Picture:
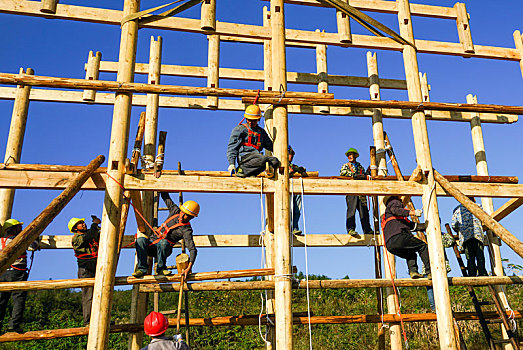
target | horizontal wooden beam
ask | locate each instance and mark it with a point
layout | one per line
(331, 284)
(48, 95)
(98, 15)
(253, 320)
(235, 241)
(124, 281)
(414, 106)
(106, 85)
(507, 208)
(257, 75)
(186, 183)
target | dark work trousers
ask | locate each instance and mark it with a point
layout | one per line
(296, 212)
(475, 258)
(160, 251)
(353, 203)
(17, 315)
(253, 163)
(405, 245)
(87, 270)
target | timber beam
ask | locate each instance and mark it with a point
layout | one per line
(114, 17)
(251, 320)
(105, 98)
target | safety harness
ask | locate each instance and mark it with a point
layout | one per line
(92, 255)
(164, 229)
(252, 135)
(390, 218)
(23, 256)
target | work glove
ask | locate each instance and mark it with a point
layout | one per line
(418, 212)
(231, 169)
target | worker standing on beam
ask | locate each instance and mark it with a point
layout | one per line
(398, 237)
(354, 170)
(174, 229)
(246, 143)
(18, 271)
(85, 245)
(296, 198)
(471, 239)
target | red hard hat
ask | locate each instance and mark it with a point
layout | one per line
(155, 324)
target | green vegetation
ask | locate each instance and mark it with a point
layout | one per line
(62, 309)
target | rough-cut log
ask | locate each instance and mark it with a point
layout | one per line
(31, 232)
(507, 208)
(415, 106)
(126, 87)
(250, 320)
(486, 219)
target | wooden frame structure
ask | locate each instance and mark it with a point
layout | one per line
(275, 37)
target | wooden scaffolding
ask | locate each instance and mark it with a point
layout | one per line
(278, 102)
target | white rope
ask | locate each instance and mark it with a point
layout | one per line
(263, 263)
(306, 263)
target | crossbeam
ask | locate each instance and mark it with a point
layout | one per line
(104, 98)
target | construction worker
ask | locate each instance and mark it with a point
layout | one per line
(296, 198)
(155, 325)
(174, 229)
(85, 245)
(471, 238)
(398, 237)
(246, 144)
(18, 271)
(355, 170)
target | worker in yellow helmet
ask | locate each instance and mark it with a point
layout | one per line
(85, 245)
(246, 143)
(160, 245)
(16, 272)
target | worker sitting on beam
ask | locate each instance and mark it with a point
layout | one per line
(246, 144)
(160, 245)
(354, 170)
(85, 244)
(18, 271)
(398, 237)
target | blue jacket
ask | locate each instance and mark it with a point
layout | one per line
(240, 135)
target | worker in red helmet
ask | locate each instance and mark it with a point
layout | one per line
(155, 325)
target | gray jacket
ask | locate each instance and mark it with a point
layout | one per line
(166, 343)
(240, 136)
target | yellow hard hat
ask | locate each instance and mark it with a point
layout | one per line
(10, 223)
(190, 208)
(252, 112)
(72, 223)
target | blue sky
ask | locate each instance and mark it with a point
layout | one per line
(74, 134)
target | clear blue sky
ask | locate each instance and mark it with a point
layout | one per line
(74, 134)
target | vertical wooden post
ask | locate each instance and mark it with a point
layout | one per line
(343, 22)
(208, 15)
(282, 252)
(92, 72)
(447, 338)
(321, 69)
(15, 141)
(518, 40)
(213, 68)
(462, 21)
(487, 204)
(106, 265)
(139, 300)
(381, 161)
(425, 90)
(269, 198)
(48, 6)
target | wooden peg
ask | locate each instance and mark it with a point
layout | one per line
(160, 155)
(267, 53)
(208, 15)
(321, 68)
(425, 88)
(343, 21)
(462, 21)
(48, 6)
(213, 68)
(518, 40)
(92, 72)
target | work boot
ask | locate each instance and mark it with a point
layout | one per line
(270, 172)
(297, 232)
(165, 272)
(139, 273)
(353, 233)
(415, 275)
(240, 173)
